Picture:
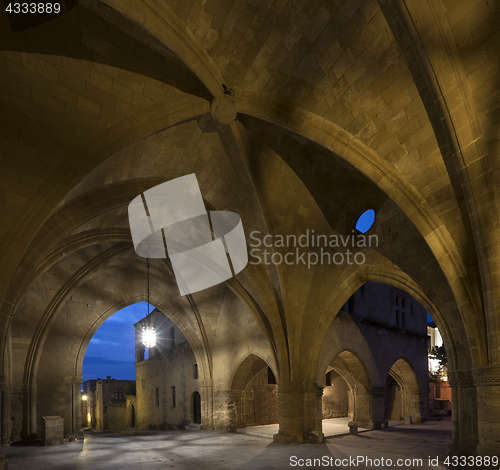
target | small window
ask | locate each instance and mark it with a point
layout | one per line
(400, 313)
(143, 383)
(365, 221)
(173, 397)
(118, 395)
(195, 371)
(438, 390)
(157, 396)
(328, 379)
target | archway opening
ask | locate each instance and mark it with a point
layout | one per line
(345, 394)
(111, 351)
(377, 325)
(108, 371)
(404, 398)
(254, 394)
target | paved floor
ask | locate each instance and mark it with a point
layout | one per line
(209, 450)
(331, 428)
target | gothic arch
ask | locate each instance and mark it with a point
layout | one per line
(243, 403)
(413, 395)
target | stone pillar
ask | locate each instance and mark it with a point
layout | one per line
(248, 415)
(369, 407)
(464, 437)
(412, 404)
(29, 403)
(361, 412)
(351, 401)
(207, 404)
(298, 413)
(378, 407)
(227, 403)
(5, 411)
(235, 408)
(424, 403)
(76, 426)
(319, 412)
(487, 381)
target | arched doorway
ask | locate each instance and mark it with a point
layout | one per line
(196, 400)
(393, 406)
(403, 396)
(346, 391)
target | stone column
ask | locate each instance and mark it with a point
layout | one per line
(319, 412)
(207, 404)
(298, 413)
(235, 408)
(226, 405)
(5, 411)
(76, 384)
(464, 437)
(248, 413)
(378, 407)
(5, 416)
(369, 407)
(424, 403)
(29, 404)
(351, 401)
(361, 413)
(487, 382)
(412, 404)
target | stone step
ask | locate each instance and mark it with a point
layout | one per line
(193, 427)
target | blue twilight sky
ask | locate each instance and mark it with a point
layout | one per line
(111, 349)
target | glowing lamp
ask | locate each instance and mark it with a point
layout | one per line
(149, 336)
(84, 397)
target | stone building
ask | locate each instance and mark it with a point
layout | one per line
(106, 407)
(88, 403)
(167, 390)
(296, 115)
(376, 344)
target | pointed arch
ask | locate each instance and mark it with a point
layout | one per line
(405, 392)
(254, 401)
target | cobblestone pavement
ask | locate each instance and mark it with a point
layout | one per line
(207, 450)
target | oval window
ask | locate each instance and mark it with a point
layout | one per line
(365, 221)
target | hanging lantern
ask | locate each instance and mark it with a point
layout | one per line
(148, 336)
(148, 332)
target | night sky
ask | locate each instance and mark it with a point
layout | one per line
(111, 349)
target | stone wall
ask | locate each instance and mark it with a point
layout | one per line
(156, 379)
(111, 409)
(260, 401)
(335, 397)
(439, 400)
(116, 417)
